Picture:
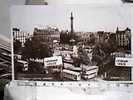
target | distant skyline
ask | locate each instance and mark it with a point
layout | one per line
(86, 18)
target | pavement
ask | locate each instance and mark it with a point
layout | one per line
(24, 90)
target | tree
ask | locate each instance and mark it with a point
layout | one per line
(34, 48)
(102, 55)
(92, 39)
(17, 46)
(83, 57)
(27, 50)
(65, 37)
(112, 47)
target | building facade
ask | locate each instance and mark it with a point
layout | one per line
(20, 35)
(84, 37)
(47, 35)
(123, 38)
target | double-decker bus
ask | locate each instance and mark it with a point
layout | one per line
(23, 64)
(71, 75)
(89, 72)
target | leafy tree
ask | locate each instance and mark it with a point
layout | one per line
(83, 57)
(92, 39)
(17, 46)
(35, 67)
(27, 50)
(102, 55)
(34, 48)
(112, 47)
(65, 37)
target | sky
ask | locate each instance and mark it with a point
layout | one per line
(87, 18)
(51, 2)
(58, 2)
(5, 6)
(4, 19)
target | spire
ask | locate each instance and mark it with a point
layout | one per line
(71, 18)
(117, 30)
(71, 15)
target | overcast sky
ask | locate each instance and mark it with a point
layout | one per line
(52, 2)
(86, 18)
(5, 5)
(58, 2)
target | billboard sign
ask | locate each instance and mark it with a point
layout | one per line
(121, 61)
(53, 61)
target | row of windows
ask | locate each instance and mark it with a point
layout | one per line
(122, 40)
